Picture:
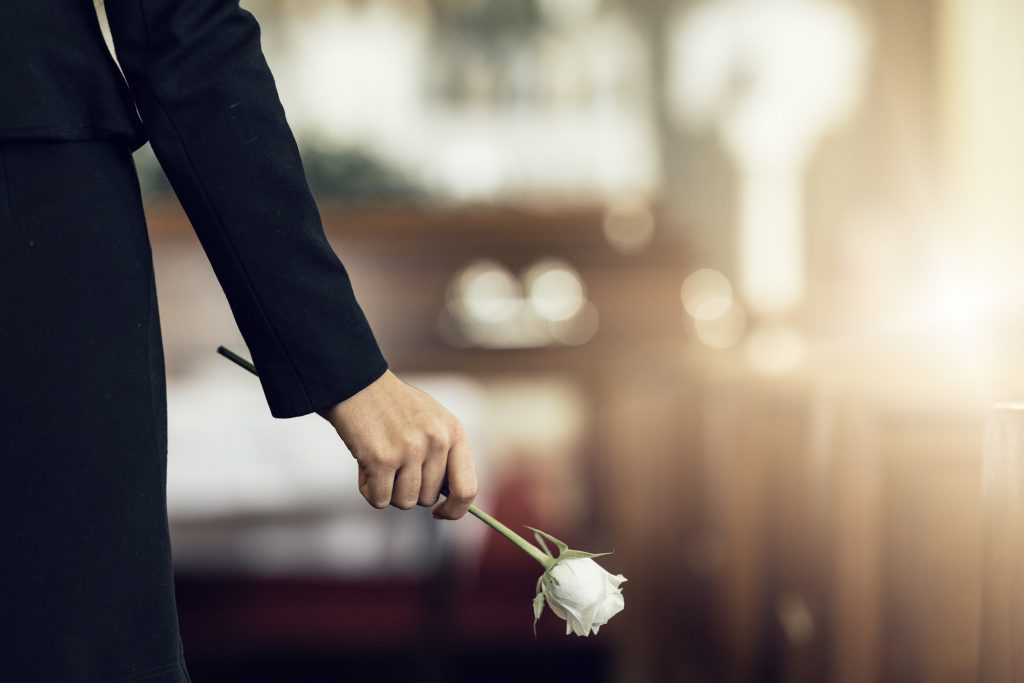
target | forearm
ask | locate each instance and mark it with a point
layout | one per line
(211, 108)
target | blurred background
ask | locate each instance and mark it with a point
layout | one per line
(725, 286)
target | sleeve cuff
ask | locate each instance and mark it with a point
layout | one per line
(289, 399)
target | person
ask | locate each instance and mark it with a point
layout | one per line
(86, 585)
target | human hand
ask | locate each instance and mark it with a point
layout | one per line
(408, 446)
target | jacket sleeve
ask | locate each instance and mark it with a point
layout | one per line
(211, 110)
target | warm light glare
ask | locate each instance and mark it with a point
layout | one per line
(706, 294)
(775, 350)
(488, 291)
(959, 308)
(628, 225)
(489, 306)
(578, 330)
(771, 241)
(724, 331)
(555, 290)
(773, 78)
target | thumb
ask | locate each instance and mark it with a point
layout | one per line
(363, 488)
(445, 491)
(459, 484)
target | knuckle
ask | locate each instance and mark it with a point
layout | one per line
(405, 504)
(457, 431)
(412, 444)
(465, 494)
(386, 462)
(380, 505)
(436, 436)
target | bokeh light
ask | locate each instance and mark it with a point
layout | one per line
(706, 294)
(555, 289)
(723, 331)
(487, 291)
(628, 225)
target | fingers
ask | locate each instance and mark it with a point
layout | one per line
(408, 446)
(461, 483)
(432, 478)
(376, 484)
(407, 487)
(434, 467)
(413, 480)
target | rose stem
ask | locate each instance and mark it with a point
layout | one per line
(524, 545)
(237, 360)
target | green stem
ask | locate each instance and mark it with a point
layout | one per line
(530, 549)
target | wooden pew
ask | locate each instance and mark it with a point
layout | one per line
(1002, 622)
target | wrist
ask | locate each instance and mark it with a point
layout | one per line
(333, 412)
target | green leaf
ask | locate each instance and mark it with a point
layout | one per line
(580, 554)
(562, 547)
(538, 609)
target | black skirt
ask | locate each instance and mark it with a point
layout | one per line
(86, 587)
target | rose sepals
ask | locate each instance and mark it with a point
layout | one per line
(574, 554)
(543, 544)
(562, 547)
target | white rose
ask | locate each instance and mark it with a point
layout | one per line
(582, 593)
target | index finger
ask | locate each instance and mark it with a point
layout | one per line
(376, 484)
(461, 488)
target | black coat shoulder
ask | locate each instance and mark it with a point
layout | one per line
(58, 80)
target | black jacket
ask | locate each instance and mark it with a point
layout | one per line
(208, 104)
